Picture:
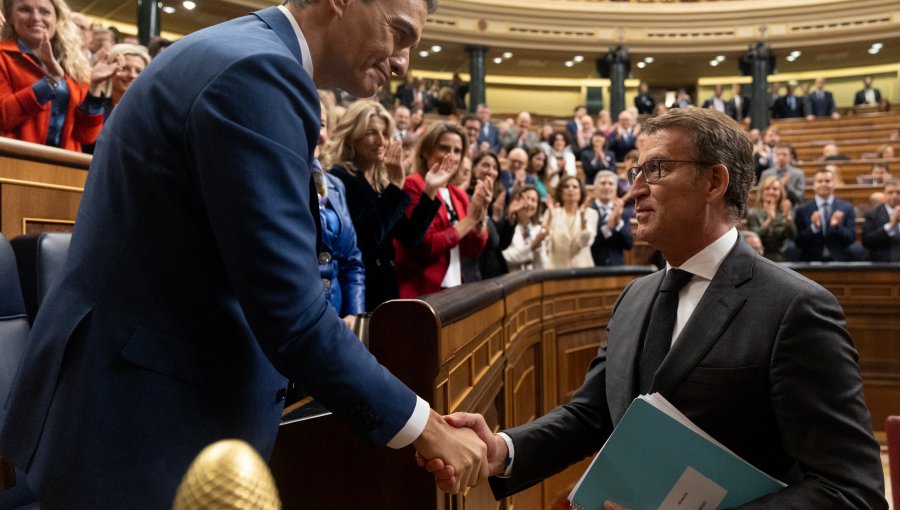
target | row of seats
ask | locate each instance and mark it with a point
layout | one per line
(27, 267)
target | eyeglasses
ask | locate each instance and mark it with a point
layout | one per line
(653, 168)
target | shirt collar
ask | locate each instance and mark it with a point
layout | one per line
(822, 201)
(304, 47)
(706, 262)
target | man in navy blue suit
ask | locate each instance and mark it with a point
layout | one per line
(614, 227)
(820, 102)
(489, 132)
(826, 226)
(191, 291)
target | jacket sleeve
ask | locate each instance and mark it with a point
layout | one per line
(874, 236)
(351, 271)
(845, 233)
(16, 106)
(87, 126)
(266, 237)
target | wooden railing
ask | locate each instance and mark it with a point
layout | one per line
(40, 187)
(512, 349)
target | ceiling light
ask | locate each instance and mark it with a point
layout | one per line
(436, 48)
(877, 46)
(578, 58)
(423, 53)
(720, 58)
(641, 65)
(791, 58)
(497, 60)
(795, 53)
(568, 63)
(507, 54)
(714, 62)
(873, 51)
(189, 5)
(168, 9)
(649, 60)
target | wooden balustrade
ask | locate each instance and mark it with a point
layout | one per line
(512, 349)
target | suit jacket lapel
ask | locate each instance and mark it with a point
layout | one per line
(710, 319)
(625, 343)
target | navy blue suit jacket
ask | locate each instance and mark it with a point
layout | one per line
(492, 137)
(823, 107)
(838, 239)
(611, 252)
(191, 290)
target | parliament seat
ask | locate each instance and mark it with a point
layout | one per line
(14, 330)
(39, 258)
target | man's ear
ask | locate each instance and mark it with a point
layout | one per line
(339, 7)
(718, 182)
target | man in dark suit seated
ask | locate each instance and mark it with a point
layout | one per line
(789, 106)
(868, 96)
(613, 227)
(826, 225)
(756, 355)
(191, 292)
(881, 230)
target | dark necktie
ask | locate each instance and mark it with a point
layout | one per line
(659, 332)
(826, 216)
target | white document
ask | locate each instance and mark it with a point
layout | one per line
(693, 491)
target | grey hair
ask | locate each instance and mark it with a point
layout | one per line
(714, 138)
(432, 4)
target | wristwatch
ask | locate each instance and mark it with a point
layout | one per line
(50, 81)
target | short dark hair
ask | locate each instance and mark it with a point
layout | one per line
(558, 193)
(714, 138)
(429, 140)
(470, 116)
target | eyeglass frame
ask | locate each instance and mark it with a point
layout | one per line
(632, 172)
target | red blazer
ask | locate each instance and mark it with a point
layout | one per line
(421, 268)
(23, 118)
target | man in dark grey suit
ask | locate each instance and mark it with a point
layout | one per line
(760, 358)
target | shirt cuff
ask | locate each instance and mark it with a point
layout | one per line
(414, 426)
(509, 457)
(890, 231)
(43, 92)
(92, 105)
(604, 229)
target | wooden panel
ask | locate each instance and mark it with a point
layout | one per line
(35, 207)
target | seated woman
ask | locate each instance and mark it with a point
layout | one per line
(369, 165)
(48, 92)
(773, 220)
(527, 249)
(458, 228)
(572, 227)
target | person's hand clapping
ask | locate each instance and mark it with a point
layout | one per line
(440, 174)
(393, 163)
(44, 53)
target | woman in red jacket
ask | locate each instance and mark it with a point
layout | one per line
(457, 229)
(48, 92)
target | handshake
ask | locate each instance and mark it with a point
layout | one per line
(459, 450)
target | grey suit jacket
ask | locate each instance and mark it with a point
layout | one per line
(796, 182)
(764, 365)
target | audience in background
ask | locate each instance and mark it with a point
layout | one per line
(877, 176)
(885, 151)
(825, 225)
(820, 102)
(772, 220)
(573, 126)
(597, 157)
(85, 31)
(537, 166)
(472, 124)
(753, 241)
(520, 135)
(764, 150)
(789, 106)
(457, 230)
(643, 101)
(613, 225)
(362, 155)
(881, 233)
(517, 174)
(49, 94)
(489, 132)
(604, 123)
(791, 177)
(739, 105)
(571, 225)
(623, 138)
(490, 262)
(561, 157)
(831, 152)
(157, 45)
(527, 249)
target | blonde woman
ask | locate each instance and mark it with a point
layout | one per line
(363, 156)
(130, 61)
(773, 219)
(49, 94)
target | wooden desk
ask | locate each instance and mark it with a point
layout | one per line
(40, 187)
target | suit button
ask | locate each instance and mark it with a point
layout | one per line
(280, 394)
(324, 257)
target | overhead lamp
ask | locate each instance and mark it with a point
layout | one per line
(168, 9)
(498, 60)
(795, 53)
(714, 62)
(436, 49)
(641, 65)
(423, 53)
(877, 46)
(874, 51)
(568, 63)
(649, 60)
(720, 58)
(578, 58)
(189, 5)
(507, 54)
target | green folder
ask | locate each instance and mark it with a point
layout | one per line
(657, 459)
